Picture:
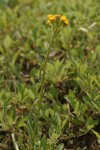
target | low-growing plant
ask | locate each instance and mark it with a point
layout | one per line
(49, 77)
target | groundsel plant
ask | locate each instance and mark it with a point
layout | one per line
(56, 23)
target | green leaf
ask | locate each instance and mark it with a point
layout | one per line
(44, 143)
(64, 123)
(31, 133)
(97, 135)
(15, 57)
(7, 41)
(20, 142)
(60, 147)
(49, 112)
(22, 123)
(76, 111)
(5, 108)
(31, 94)
(53, 91)
(58, 120)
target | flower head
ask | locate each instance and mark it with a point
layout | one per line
(57, 22)
(51, 17)
(63, 18)
(57, 16)
(66, 22)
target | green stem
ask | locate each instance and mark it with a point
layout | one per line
(44, 67)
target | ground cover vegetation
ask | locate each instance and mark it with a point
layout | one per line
(68, 115)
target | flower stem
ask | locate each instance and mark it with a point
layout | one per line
(44, 68)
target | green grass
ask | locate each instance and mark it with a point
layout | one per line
(69, 117)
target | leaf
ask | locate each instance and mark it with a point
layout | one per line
(60, 147)
(95, 106)
(44, 143)
(83, 29)
(49, 112)
(7, 41)
(76, 111)
(13, 113)
(71, 98)
(20, 142)
(97, 135)
(5, 108)
(31, 94)
(89, 127)
(64, 122)
(14, 142)
(92, 25)
(22, 122)
(31, 133)
(58, 120)
(53, 91)
(15, 57)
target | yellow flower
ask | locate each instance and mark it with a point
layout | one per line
(51, 17)
(57, 22)
(63, 18)
(57, 16)
(66, 22)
